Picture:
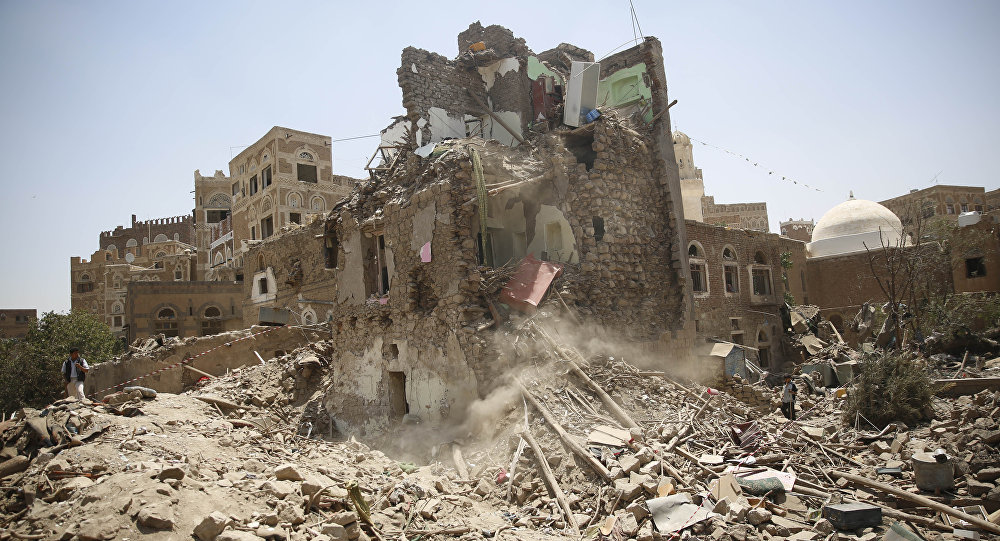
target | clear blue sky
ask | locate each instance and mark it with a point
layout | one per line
(108, 107)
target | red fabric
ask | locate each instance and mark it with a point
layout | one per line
(528, 285)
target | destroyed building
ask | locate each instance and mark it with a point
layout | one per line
(482, 172)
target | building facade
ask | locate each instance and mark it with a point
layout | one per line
(284, 178)
(182, 308)
(15, 322)
(212, 206)
(941, 201)
(800, 229)
(740, 280)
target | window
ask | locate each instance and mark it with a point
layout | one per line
(305, 156)
(178, 275)
(253, 233)
(736, 337)
(262, 286)
(212, 311)
(699, 273)
(265, 177)
(211, 326)
(979, 208)
(950, 209)
(236, 188)
(376, 273)
(975, 267)
(331, 249)
(294, 217)
(761, 281)
(318, 203)
(731, 273)
(166, 313)
(116, 321)
(253, 184)
(598, 228)
(965, 207)
(216, 216)
(267, 227)
(734, 323)
(698, 282)
(306, 173)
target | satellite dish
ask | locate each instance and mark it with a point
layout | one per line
(129, 258)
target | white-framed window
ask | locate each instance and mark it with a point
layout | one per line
(699, 271)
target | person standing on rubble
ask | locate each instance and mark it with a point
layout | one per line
(788, 393)
(75, 370)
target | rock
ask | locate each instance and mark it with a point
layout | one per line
(287, 472)
(629, 463)
(70, 487)
(638, 510)
(627, 489)
(979, 489)
(757, 516)
(988, 474)
(311, 486)
(236, 535)
(645, 533)
(994, 494)
(343, 518)
(95, 530)
(278, 489)
(290, 512)
(628, 524)
(272, 533)
(211, 526)
(823, 526)
(172, 472)
(335, 531)
(484, 487)
(157, 517)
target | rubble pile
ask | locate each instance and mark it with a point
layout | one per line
(574, 445)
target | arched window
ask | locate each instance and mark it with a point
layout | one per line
(85, 278)
(116, 308)
(219, 201)
(160, 255)
(759, 258)
(318, 203)
(699, 272)
(131, 243)
(305, 156)
(166, 313)
(730, 271)
(161, 238)
(212, 311)
(294, 200)
(107, 256)
(218, 258)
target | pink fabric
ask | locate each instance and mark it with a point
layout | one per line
(528, 285)
(425, 253)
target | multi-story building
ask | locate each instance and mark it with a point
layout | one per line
(284, 178)
(15, 322)
(182, 308)
(212, 205)
(100, 285)
(701, 208)
(941, 200)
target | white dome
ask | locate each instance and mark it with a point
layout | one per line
(852, 226)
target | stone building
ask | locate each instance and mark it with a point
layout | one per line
(798, 229)
(132, 240)
(182, 308)
(286, 177)
(100, 285)
(942, 200)
(741, 278)
(15, 322)
(976, 254)
(467, 187)
(701, 208)
(212, 205)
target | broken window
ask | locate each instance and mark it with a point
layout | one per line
(398, 406)
(376, 274)
(306, 173)
(294, 217)
(975, 267)
(166, 322)
(267, 227)
(598, 228)
(253, 184)
(764, 357)
(265, 177)
(698, 282)
(761, 281)
(331, 249)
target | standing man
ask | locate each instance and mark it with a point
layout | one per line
(75, 369)
(788, 393)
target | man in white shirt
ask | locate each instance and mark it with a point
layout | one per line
(788, 393)
(75, 370)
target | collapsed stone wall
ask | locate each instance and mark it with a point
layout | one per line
(225, 352)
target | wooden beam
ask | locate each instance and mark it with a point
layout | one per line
(495, 117)
(196, 371)
(550, 480)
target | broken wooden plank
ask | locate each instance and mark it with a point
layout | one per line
(550, 480)
(196, 371)
(460, 466)
(568, 440)
(496, 118)
(219, 402)
(918, 499)
(14, 465)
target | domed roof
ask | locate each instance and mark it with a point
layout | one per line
(857, 216)
(681, 139)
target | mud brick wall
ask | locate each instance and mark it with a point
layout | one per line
(494, 37)
(438, 82)
(182, 226)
